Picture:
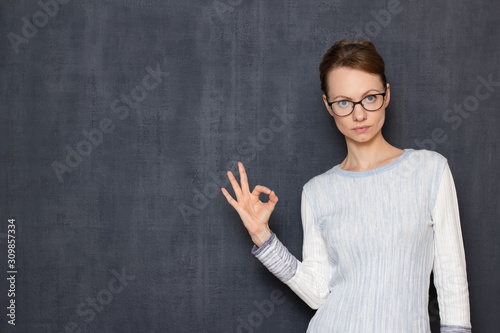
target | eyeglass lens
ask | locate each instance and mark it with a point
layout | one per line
(370, 103)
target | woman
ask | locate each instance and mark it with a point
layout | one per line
(375, 225)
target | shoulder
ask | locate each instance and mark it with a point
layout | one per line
(428, 155)
(318, 181)
(424, 159)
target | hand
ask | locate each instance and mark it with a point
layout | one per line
(253, 212)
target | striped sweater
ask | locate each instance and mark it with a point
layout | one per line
(371, 240)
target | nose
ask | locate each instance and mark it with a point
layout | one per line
(359, 113)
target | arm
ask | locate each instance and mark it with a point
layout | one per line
(450, 276)
(309, 278)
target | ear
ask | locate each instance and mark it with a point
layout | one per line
(388, 95)
(327, 107)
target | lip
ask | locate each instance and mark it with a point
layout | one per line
(361, 129)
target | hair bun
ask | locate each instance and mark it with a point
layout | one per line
(344, 43)
(356, 54)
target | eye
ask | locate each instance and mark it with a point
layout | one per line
(370, 99)
(343, 104)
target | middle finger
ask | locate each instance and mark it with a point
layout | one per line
(234, 182)
(243, 178)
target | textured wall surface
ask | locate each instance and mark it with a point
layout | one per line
(119, 120)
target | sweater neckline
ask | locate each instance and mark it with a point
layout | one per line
(380, 169)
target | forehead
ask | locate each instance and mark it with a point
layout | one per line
(352, 82)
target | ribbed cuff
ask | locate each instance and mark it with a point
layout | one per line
(257, 250)
(455, 329)
(276, 257)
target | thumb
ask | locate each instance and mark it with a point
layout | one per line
(273, 199)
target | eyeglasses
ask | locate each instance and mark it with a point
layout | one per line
(370, 103)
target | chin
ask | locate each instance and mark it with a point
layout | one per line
(363, 138)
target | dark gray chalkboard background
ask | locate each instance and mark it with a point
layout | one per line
(145, 200)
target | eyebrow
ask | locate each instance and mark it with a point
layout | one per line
(364, 95)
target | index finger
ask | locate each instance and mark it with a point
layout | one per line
(243, 178)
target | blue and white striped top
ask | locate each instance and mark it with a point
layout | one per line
(371, 240)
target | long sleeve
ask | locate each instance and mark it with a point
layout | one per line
(450, 276)
(309, 278)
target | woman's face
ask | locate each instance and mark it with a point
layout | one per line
(347, 84)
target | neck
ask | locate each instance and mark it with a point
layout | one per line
(362, 156)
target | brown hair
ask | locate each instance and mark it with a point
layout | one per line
(356, 54)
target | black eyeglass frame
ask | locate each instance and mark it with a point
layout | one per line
(359, 102)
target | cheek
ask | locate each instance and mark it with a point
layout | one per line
(382, 118)
(337, 122)
(340, 124)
